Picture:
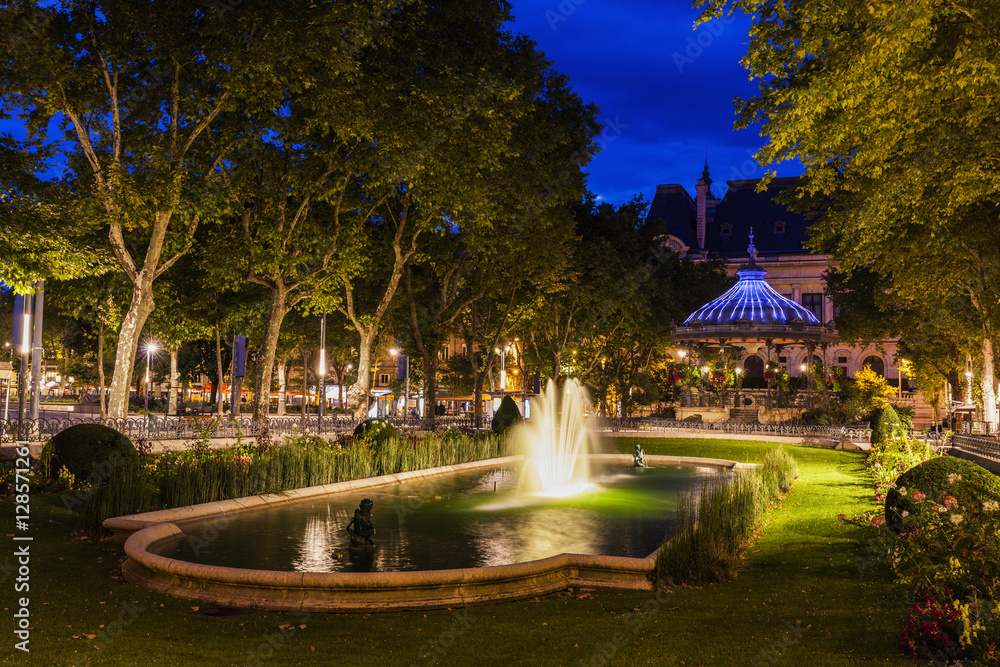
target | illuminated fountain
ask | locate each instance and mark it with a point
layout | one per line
(469, 533)
(557, 442)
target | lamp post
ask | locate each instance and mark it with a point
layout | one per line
(406, 391)
(151, 347)
(321, 373)
(10, 359)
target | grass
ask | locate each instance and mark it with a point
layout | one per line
(799, 570)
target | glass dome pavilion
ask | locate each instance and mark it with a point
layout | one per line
(752, 311)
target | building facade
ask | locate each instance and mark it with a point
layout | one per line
(709, 227)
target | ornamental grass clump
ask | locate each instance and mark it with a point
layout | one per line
(201, 475)
(712, 530)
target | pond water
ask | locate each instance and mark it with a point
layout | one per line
(470, 519)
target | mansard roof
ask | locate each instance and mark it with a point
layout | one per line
(673, 212)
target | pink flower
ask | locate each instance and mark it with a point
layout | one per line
(919, 495)
(878, 522)
(950, 501)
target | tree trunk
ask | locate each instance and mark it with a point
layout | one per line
(282, 387)
(358, 396)
(100, 369)
(128, 340)
(430, 386)
(988, 385)
(265, 361)
(219, 398)
(340, 388)
(305, 389)
(175, 380)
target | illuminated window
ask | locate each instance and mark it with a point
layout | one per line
(814, 302)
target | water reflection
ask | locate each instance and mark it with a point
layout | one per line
(467, 520)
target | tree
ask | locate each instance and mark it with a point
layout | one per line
(890, 107)
(143, 90)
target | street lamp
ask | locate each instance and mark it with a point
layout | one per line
(321, 372)
(10, 359)
(151, 347)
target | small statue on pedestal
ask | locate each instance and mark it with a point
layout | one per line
(360, 528)
(638, 457)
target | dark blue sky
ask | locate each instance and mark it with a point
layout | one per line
(665, 90)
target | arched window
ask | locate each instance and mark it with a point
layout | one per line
(754, 366)
(876, 363)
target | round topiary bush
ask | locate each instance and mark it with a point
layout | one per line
(506, 415)
(976, 486)
(89, 451)
(375, 430)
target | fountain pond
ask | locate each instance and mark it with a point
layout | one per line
(559, 515)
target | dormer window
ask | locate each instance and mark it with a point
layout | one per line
(725, 229)
(779, 227)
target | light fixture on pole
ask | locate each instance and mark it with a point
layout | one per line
(151, 347)
(321, 372)
(10, 378)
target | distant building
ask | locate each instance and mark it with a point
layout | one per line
(706, 227)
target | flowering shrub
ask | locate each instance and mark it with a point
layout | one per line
(930, 627)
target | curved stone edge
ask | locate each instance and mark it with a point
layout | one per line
(372, 591)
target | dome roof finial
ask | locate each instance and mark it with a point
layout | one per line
(751, 249)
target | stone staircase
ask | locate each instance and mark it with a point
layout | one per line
(744, 416)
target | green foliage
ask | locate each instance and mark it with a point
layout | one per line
(375, 430)
(871, 390)
(971, 484)
(710, 534)
(506, 415)
(85, 449)
(887, 427)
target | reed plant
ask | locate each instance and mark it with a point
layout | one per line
(714, 528)
(200, 475)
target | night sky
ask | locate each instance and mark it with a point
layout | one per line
(665, 90)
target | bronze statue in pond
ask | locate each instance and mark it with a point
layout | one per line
(361, 529)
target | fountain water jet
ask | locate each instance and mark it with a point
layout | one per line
(557, 441)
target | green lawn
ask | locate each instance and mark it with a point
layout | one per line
(797, 593)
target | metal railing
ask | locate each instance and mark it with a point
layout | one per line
(656, 424)
(986, 446)
(158, 427)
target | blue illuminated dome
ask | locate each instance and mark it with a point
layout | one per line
(752, 299)
(752, 310)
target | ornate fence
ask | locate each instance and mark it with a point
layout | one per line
(158, 427)
(981, 445)
(852, 433)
